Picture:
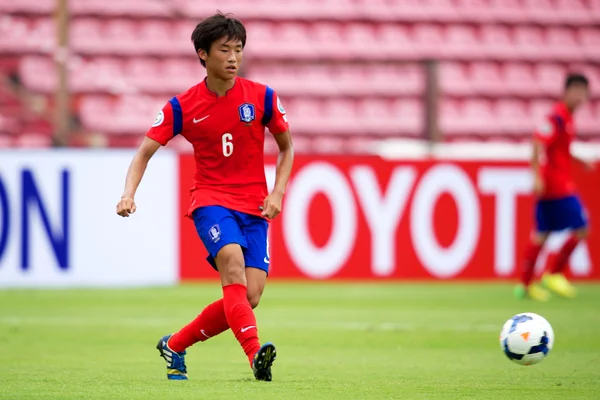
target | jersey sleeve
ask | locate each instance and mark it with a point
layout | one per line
(548, 131)
(274, 117)
(168, 123)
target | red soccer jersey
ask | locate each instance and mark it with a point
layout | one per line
(227, 134)
(556, 135)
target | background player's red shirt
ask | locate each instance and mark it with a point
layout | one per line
(556, 135)
(227, 134)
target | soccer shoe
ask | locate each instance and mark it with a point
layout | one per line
(263, 359)
(533, 292)
(176, 369)
(559, 285)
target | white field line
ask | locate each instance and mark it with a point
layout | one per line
(298, 325)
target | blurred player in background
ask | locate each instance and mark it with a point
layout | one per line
(557, 205)
(224, 118)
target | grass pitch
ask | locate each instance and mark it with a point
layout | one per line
(340, 341)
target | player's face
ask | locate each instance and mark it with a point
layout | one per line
(576, 95)
(224, 59)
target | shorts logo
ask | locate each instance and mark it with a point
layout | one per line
(159, 119)
(247, 113)
(215, 233)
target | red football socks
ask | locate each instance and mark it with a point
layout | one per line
(531, 255)
(209, 323)
(563, 255)
(241, 319)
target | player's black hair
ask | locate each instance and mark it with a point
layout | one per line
(576, 79)
(214, 28)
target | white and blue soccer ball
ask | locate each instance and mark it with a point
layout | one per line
(527, 338)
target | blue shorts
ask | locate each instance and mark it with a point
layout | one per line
(219, 226)
(559, 214)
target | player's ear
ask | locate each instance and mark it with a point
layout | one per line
(202, 54)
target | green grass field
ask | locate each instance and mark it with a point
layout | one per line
(342, 341)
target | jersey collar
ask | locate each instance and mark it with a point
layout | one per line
(209, 93)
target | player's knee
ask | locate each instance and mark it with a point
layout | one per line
(253, 299)
(230, 263)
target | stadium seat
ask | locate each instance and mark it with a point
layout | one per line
(453, 78)
(27, 6)
(530, 44)
(590, 42)
(86, 35)
(136, 8)
(478, 117)
(541, 11)
(38, 74)
(305, 115)
(397, 40)
(462, 42)
(497, 42)
(441, 10)
(340, 116)
(474, 10)
(408, 116)
(429, 40)
(573, 11)
(509, 11)
(486, 79)
(376, 117)
(292, 40)
(120, 36)
(539, 111)
(518, 79)
(550, 78)
(563, 44)
(512, 117)
(360, 39)
(326, 40)
(143, 74)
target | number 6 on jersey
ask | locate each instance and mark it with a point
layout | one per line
(227, 144)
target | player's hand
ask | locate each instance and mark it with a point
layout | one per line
(538, 186)
(126, 207)
(272, 205)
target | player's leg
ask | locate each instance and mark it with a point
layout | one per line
(572, 216)
(537, 239)
(216, 227)
(256, 256)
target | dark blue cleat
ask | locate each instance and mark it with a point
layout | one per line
(263, 359)
(176, 369)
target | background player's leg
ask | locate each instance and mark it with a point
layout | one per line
(239, 314)
(560, 262)
(536, 243)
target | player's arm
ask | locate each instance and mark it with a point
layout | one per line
(545, 135)
(134, 175)
(168, 124)
(538, 183)
(279, 128)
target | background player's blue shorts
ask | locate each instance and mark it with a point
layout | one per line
(559, 214)
(219, 226)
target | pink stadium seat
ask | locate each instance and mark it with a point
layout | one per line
(305, 114)
(160, 35)
(326, 40)
(180, 74)
(38, 73)
(408, 116)
(143, 74)
(340, 116)
(259, 35)
(539, 110)
(13, 32)
(450, 118)
(461, 41)
(562, 43)
(360, 38)
(120, 36)
(440, 10)
(429, 40)
(453, 78)
(550, 78)
(594, 9)
(408, 10)
(377, 10)
(316, 80)
(393, 80)
(573, 11)
(86, 35)
(137, 8)
(33, 140)
(486, 79)
(497, 42)
(27, 6)
(376, 117)
(510, 11)
(42, 35)
(530, 43)
(474, 10)
(513, 118)
(589, 39)
(478, 117)
(541, 11)
(94, 110)
(397, 39)
(518, 79)
(294, 41)
(351, 79)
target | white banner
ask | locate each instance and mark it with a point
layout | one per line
(59, 228)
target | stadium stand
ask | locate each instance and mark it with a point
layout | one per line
(348, 71)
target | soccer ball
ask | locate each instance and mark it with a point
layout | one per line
(526, 338)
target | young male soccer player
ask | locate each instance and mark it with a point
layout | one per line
(224, 118)
(557, 205)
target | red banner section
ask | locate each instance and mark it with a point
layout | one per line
(368, 218)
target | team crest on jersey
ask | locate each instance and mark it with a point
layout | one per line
(247, 112)
(215, 233)
(159, 119)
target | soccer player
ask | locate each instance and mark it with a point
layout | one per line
(224, 118)
(557, 205)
